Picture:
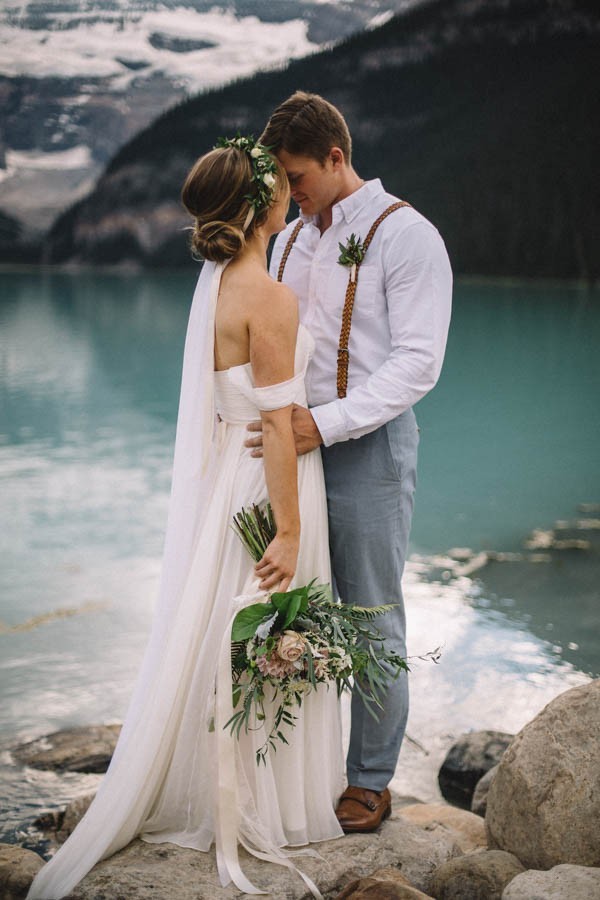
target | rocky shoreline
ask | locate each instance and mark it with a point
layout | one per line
(521, 822)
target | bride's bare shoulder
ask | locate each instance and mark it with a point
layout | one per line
(270, 298)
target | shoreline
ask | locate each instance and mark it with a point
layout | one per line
(131, 268)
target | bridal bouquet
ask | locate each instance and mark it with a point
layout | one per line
(298, 639)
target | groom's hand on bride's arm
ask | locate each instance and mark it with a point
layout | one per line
(306, 434)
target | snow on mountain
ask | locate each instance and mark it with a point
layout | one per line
(78, 78)
(196, 49)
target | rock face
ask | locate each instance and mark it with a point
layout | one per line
(467, 761)
(142, 871)
(544, 803)
(480, 794)
(560, 883)
(17, 870)
(481, 875)
(465, 828)
(85, 749)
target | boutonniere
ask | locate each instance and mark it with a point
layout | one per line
(352, 253)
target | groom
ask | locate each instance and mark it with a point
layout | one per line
(380, 327)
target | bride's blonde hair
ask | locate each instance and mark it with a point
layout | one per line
(217, 193)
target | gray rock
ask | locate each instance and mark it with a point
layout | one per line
(142, 871)
(481, 875)
(467, 761)
(480, 794)
(85, 749)
(560, 883)
(544, 803)
(17, 869)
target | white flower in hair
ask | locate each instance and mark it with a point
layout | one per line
(264, 168)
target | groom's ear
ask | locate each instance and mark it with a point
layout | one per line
(337, 157)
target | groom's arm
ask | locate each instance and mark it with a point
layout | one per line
(418, 287)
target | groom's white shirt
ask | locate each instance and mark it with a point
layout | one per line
(401, 311)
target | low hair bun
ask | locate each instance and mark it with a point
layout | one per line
(217, 240)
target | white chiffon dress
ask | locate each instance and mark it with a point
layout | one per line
(176, 774)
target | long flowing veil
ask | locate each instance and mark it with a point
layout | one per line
(126, 792)
(191, 479)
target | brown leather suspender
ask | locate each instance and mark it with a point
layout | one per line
(288, 248)
(343, 351)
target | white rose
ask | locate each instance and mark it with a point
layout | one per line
(255, 152)
(269, 179)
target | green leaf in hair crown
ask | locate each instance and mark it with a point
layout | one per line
(264, 168)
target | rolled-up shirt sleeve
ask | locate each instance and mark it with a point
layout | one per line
(418, 288)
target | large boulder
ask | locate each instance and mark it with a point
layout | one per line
(17, 870)
(480, 794)
(544, 802)
(142, 871)
(559, 883)
(88, 748)
(467, 761)
(465, 828)
(481, 875)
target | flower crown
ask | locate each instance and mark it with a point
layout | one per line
(263, 170)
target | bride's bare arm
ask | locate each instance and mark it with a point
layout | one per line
(272, 325)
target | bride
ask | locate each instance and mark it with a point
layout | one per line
(176, 774)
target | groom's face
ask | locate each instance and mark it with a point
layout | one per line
(314, 185)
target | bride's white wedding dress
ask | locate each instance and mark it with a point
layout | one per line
(176, 775)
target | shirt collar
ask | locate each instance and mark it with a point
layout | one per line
(350, 206)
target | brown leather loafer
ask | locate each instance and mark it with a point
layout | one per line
(361, 809)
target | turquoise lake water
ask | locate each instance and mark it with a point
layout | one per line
(89, 382)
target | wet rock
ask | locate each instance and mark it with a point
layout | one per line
(467, 761)
(73, 813)
(564, 882)
(142, 871)
(17, 870)
(480, 794)
(481, 875)
(465, 828)
(85, 749)
(544, 802)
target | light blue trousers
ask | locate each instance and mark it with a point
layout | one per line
(370, 492)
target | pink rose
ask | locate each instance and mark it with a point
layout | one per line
(275, 667)
(291, 646)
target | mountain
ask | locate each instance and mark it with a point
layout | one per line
(78, 79)
(485, 115)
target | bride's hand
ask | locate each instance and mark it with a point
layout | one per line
(278, 564)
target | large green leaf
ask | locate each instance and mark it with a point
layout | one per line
(292, 610)
(248, 619)
(289, 603)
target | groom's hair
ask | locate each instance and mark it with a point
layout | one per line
(307, 125)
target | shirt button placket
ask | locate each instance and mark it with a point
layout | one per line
(314, 281)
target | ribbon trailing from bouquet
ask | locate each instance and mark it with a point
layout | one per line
(228, 818)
